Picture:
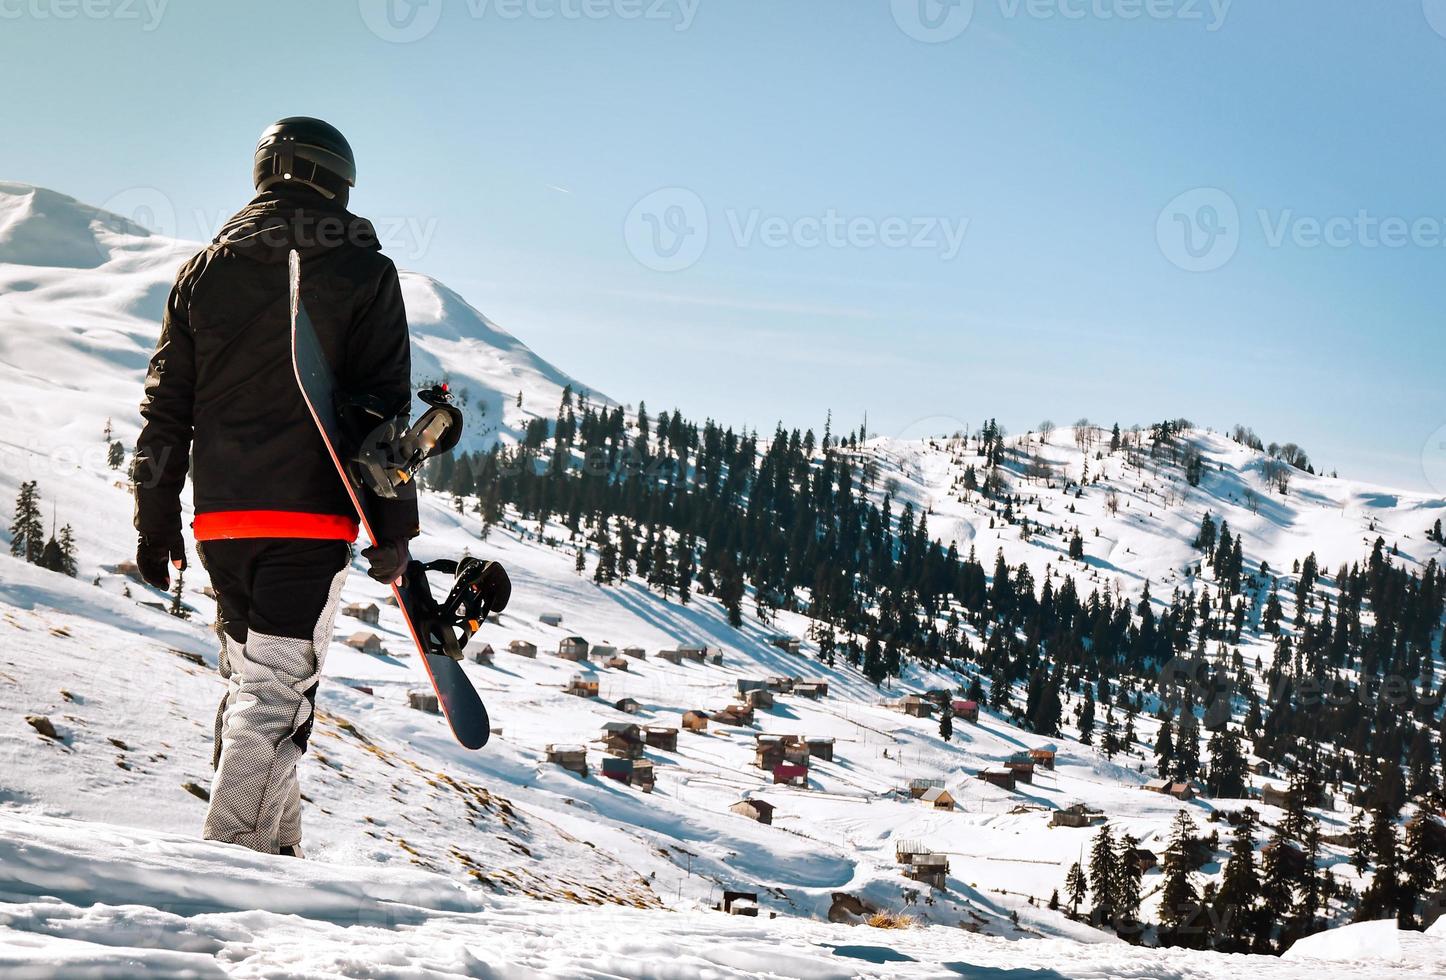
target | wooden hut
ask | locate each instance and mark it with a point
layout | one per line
(930, 869)
(695, 721)
(820, 748)
(693, 654)
(663, 737)
(616, 662)
(1144, 858)
(790, 774)
(573, 758)
(522, 648)
(734, 714)
(965, 709)
(424, 701)
(671, 656)
(366, 642)
(1076, 815)
(921, 785)
(786, 643)
(369, 613)
(633, 772)
(635, 653)
(1043, 756)
(624, 739)
(754, 809)
(938, 797)
(550, 619)
(998, 776)
(918, 707)
(746, 684)
(739, 903)
(572, 648)
(760, 698)
(628, 706)
(811, 690)
(483, 655)
(582, 687)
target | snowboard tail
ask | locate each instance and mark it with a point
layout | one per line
(458, 699)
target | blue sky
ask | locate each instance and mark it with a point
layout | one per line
(759, 210)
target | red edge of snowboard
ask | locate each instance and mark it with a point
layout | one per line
(472, 737)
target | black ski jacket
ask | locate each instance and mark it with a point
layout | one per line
(221, 397)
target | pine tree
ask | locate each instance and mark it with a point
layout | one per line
(1420, 876)
(27, 532)
(1076, 886)
(115, 456)
(1239, 891)
(1104, 872)
(1164, 750)
(178, 601)
(1128, 881)
(946, 724)
(1179, 901)
(1227, 774)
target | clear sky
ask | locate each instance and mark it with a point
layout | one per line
(760, 210)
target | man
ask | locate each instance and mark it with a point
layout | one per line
(273, 524)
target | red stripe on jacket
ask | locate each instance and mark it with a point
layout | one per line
(224, 524)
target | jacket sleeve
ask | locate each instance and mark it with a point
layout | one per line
(378, 362)
(163, 450)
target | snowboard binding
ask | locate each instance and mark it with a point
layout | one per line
(391, 453)
(479, 588)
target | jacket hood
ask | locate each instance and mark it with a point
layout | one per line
(267, 229)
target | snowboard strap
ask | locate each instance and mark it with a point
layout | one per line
(479, 588)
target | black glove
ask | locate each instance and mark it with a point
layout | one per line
(388, 560)
(154, 552)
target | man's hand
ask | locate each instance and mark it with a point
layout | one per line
(152, 554)
(388, 560)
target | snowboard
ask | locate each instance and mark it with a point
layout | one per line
(456, 696)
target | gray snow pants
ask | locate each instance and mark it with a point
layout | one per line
(276, 604)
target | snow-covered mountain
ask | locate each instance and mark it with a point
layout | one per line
(430, 858)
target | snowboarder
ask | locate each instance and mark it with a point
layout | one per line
(273, 524)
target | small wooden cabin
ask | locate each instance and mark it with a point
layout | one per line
(760, 811)
(1043, 756)
(572, 648)
(483, 655)
(366, 642)
(550, 619)
(1076, 815)
(573, 758)
(918, 707)
(662, 737)
(788, 773)
(695, 721)
(623, 738)
(582, 687)
(998, 776)
(967, 710)
(424, 701)
(938, 797)
(628, 706)
(820, 748)
(369, 613)
(522, 648)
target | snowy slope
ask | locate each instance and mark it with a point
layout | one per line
(401, 818)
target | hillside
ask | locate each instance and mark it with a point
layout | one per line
(453, 853)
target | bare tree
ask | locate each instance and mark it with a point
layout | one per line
(1046, 429)
(1112, 502)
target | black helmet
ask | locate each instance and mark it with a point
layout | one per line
(299, 149)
